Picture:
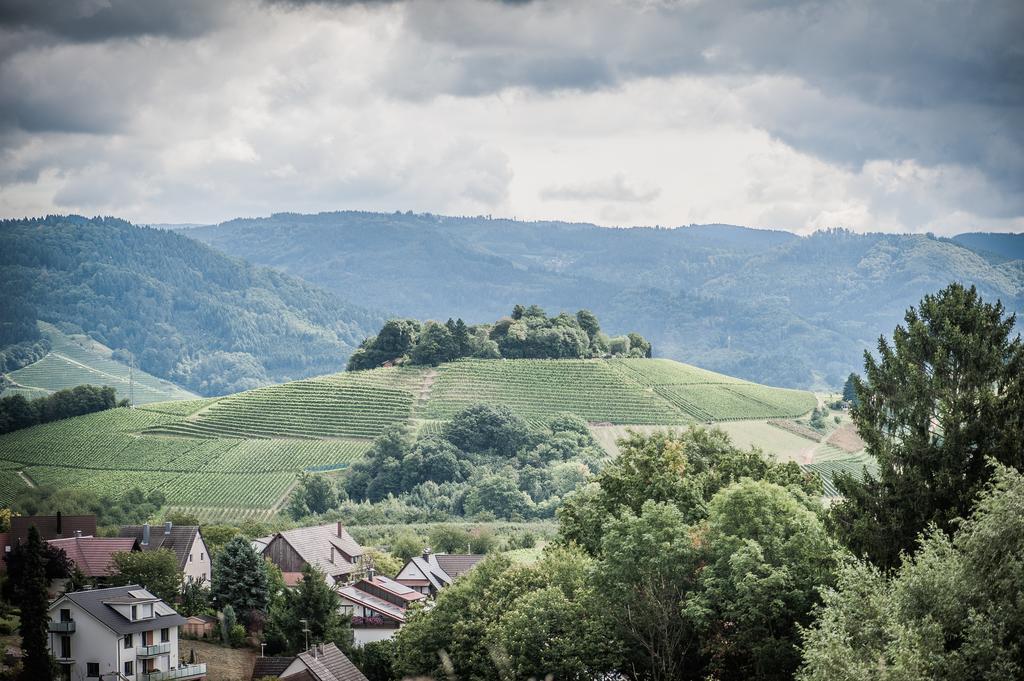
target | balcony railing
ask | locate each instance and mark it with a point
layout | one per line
(187, 672)
(155, 649)
(63, 627)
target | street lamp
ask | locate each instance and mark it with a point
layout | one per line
(305, 630)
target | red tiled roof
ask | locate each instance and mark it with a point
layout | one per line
(292, 578)
(94, 556)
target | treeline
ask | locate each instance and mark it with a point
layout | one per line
(131, 507)
(188, 313)
(18, 412)
(529, 333)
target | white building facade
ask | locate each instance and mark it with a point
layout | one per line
(117, 633)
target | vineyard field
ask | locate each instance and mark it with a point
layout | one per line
(77, 360)
(236, 457)
(539, 389)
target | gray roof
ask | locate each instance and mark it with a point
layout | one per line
(441, 569)
(457, 564)
(313, 544)
(94, 602)
(330, 664)
(270, 666)
(179, 539)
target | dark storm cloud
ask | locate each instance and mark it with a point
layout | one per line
(99, 20)
(937, 82)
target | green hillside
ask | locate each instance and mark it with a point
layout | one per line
(191, 315)
(238, 456)
(77, 360)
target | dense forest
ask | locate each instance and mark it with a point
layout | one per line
(767, 306)
(188, 313)
(528, 333)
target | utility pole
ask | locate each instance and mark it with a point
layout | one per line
(131, 379)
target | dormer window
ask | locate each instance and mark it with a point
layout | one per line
(135, 612)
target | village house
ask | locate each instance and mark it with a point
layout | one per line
(319, 663)
(431, 572)
(49, 527)
(121, 632)
(185, 540)
(378, 606)
(93, 556)
(329, 548)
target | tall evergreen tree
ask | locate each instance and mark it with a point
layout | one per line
(944, 395)
(34, 602)
(239, 579)
(850, 389)
(314, 601)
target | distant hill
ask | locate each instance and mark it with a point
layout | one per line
(191, 315)
(237, 456)
(768, 306)
(993, 246)
(78, 360)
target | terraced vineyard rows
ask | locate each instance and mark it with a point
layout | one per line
(10, 482)
(667, 372)
(828, 468)
(74, 361)
(236, 456)
(539, 389)
(104, 453)
(707, 396)
(350, 405)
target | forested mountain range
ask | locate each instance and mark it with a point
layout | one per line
(189, 313)
(768, 306)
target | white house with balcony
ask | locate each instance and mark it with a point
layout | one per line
(121, 633)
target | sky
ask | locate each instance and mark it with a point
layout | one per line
(871, 115)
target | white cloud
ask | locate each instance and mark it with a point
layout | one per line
(544, 111)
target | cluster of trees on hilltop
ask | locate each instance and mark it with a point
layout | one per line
(18, 412)
(529, 333)
(188, 313)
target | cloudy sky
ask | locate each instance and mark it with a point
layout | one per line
(871, 115)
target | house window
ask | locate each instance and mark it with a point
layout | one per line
(202, 556)
(92, 670)
(165, 635)
(127, 641)
(65, 615)
(129, 668)
(65, 647)
(190, 557)
(135, 612)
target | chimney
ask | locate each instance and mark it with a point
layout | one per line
(167, 529)
(60, 524)
(341, 530)
(426, 553)
(78, 534)
(370, 572)
(145, 534)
